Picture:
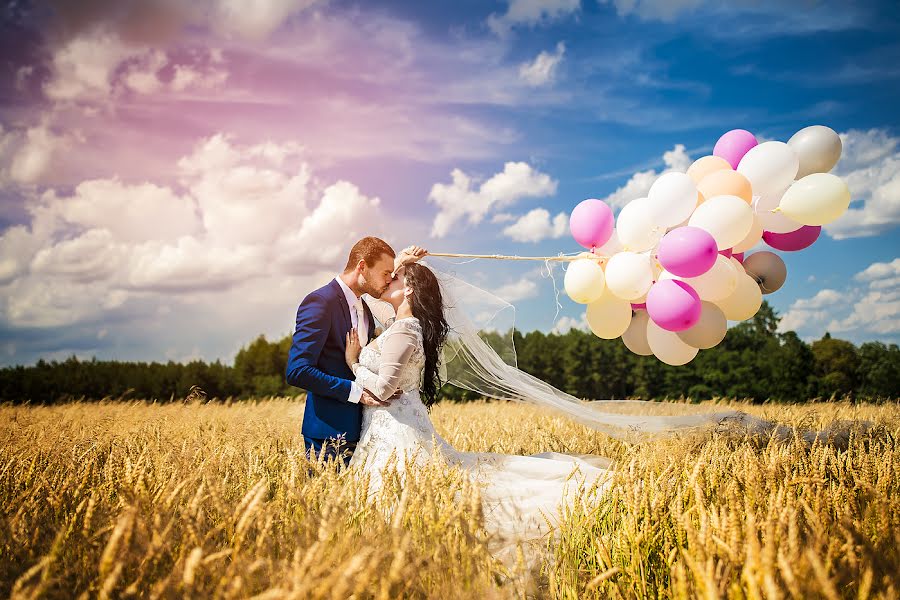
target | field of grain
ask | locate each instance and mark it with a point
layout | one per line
(131, 499)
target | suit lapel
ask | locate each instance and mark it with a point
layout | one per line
(344, 311)
(371, 319)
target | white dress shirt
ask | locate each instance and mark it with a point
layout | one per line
(355, 388)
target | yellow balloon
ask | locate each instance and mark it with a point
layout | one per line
(756, 233)
(744, 302)
(706, 165)
(817, 199)
(609, 317)
(629, 275)
(726, 183)
(584, 281)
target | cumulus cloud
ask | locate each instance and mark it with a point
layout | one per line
(536, 225)
(638, 185)
(870, 164)
(869, 308)
(565, 324)
(530, 13)
(542, 70)
(518, 290)
(462, 201)
(30, 154)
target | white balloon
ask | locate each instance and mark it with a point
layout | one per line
(629, 275)
(668, 347)
(770, 166)
(744, 302)
(635, 337)
(727, 218)
(818, 148)
(776, 222)
(636, 228)
(672, 199)
(717, 283)
(584, 281)
(611, 246)
(756, 232)
(609, 316)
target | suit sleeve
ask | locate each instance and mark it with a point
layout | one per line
(310, 334)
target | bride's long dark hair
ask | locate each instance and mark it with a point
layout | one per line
(427, 306)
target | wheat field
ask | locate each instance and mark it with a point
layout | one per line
(122, 499)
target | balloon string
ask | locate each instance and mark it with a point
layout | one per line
(559, 258)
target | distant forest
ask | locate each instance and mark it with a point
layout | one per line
(753, 362)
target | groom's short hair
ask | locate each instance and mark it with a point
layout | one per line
(369, 249)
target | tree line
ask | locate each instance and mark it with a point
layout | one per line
(754, 361)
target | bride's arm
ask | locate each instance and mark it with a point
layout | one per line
(396, 350)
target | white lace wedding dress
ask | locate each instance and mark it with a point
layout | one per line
(522, 495)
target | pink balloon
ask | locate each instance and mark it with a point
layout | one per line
(687, 251)
(673, 305)
(739, 257)
(795, 240)
(591, 223)
(640, 306)
(733, 145)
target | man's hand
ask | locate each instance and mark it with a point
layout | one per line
(409, 255)
(369, 399)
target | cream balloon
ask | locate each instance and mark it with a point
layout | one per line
(770, 166)
(635, 337)
(818, 148)
(611, 246)
(609, 316)
(727, 218)
(629, 275)
(817, 199)
(705, 165)
(744, 302)
(636, 228)
(709, 331)
(776, 222)
(668, 347)
(756, 233)
(717, 283)
(584, 281)
(671, 199)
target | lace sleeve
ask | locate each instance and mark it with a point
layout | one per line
(396, 349)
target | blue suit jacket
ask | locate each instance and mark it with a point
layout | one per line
(316, 363)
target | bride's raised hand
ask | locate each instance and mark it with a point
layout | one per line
(351, 354)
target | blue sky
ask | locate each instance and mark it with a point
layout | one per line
(175, 177)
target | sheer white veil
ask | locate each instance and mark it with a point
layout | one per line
(480, 355)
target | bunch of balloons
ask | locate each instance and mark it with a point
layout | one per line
(668, 274)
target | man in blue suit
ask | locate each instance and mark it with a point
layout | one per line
(333, 415)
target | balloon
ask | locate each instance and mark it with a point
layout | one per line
(715, 284)
(609, 316)
(744, 301)
(818, 148)
(770, 167)
(709, 330)
(687, 251)
(635, 337)
(767, 269)
(636, 229)
(726, 183)
(612, 246)
(706, 165)
(739, 257)
(584, 281)
(733, 145)
(756, 233)
(629, 275)
(672, 199)
(816, 199)
(777, 222)
(668, 347)
(639, 305)
(794, 240)
(591, 223)
(726, 252)
(727, 218)
(673, 305)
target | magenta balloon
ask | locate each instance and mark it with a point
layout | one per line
(687, 251)
(734, 145)
(726, 253)
(739, 257)
(673, 305)
(591, 223)
(795, 240)
(640, 306)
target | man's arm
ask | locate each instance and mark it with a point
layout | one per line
(310, 334)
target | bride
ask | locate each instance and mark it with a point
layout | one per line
(520, 494)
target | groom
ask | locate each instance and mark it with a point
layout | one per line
(333, 415)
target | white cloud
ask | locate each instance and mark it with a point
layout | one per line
(565, 324)
(657, 10)
(143, 75)
(83, 67)
(638, 185)
(458, 201)
(30, 153)
(518, 290)
(536, 225)
(234, 17)
(187, 76)
(870, 164)
(530, 13)
(542, 69)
